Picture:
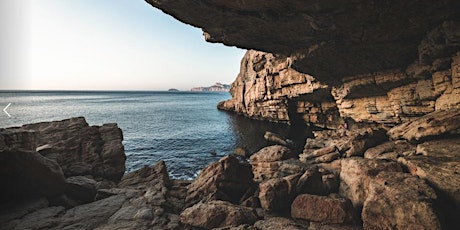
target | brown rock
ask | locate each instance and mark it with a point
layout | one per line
(399, 201)
(271, 154)
(215, 214)
(368, 138)
(155, 174)
(277, 194)
(80, 149)
(322, 226)
(307, 154)
(277, 223)
(228, 179)
(241, 152)
(332, 210)
(390, 150)
(18, 139)
(81, 188)
(357, 173)
(268, 170)
(439, 166)
(274, 161)
(318, 181)
(276, 138)
(428, 126)
(27, 174)
(266, 83)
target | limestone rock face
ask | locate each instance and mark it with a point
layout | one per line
(227, 179)
(81, 149)
(357, 173)
(399, 201)
(328, 210)
(214, 214)
(268, 88)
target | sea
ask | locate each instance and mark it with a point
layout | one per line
(185, 129)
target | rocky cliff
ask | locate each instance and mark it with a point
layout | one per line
(366, 61)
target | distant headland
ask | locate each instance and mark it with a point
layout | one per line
(218, 87)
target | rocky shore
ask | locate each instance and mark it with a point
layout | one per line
(69, 175)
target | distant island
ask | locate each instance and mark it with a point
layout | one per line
(218, 87)
(173, 90)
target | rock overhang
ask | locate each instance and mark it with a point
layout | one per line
(328, 39)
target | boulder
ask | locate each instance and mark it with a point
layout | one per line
(147, 176)
(325, 209)
(273, 162)
(399, 201)
(318, 181)
(439, 165)
(81, 188)
(322, 226)
(277, 169)
(390, 150)
(313, 153)
(271, 154)
(277, 223)
(278, 139)
(357, 173)
(27, 174)
(437, 123)
(363, 140)
(227, 179)
(241, 152)
(215, 214)
(277, 194)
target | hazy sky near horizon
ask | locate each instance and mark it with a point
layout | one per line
(105, 45)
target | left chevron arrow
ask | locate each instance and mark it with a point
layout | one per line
(4, 110)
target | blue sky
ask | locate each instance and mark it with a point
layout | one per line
(106, 45)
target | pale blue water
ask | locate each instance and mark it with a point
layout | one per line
(182, 128)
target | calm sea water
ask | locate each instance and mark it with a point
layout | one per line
(182, 128)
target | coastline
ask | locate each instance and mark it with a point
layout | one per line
(276, 187)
